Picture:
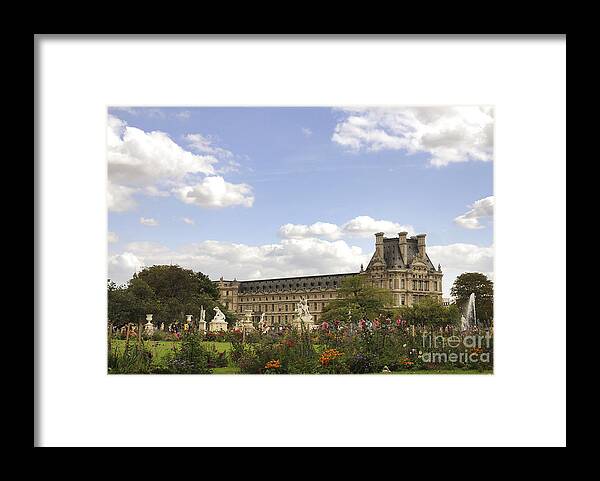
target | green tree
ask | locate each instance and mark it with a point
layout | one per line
(431, 312)
(171, 282)
(475, 282)
(119, 304)
(452, 315)
(169, 292)
(359, 299)
(142, 300)
(427, 311)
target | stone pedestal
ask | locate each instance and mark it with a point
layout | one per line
(307, 321)
(216, 326)
(246, 325)
(246, 322)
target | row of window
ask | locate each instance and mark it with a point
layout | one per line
(417, 285)
(286, 298)
(315, 306)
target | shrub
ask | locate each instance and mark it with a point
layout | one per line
(135, 359)
(159, 335)
(190, 358)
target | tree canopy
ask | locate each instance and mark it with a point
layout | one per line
(359, 299)
(430, 311)
(475, 282)
(168, 292)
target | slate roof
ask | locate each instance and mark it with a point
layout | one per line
(292, 284)
(393, 258)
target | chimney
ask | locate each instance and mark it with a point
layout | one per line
(403, 246)
(379, 244)
(421, 244)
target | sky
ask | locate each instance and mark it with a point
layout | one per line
(252, 193)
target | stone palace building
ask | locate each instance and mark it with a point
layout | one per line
(400, 264)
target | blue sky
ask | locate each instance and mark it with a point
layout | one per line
(211, 188)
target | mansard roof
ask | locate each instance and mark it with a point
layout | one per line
(392, 256)
(294, 283)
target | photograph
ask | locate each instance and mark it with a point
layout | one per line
(300, 240)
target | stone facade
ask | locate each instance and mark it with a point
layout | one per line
(399, 264)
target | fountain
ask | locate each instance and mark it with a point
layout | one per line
(470, 321)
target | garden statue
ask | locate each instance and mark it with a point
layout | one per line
(304, 317)
(162, 326)
(302, 310)
(202, 321)
(262, 324)
(219, 316)
(218, 323)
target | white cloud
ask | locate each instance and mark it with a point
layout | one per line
(153, 191)
(120, 197)
(140, 158)
(306, 131)
(365, 226)
(447, 134)
(361, 226)
(206, 145)
(290, 257)
(457, 259)
(148, 221)
(215, 192)
(152, 164)
(122, 266)
(318, 229)
(187, 220)
(479, 210)
(113, 237)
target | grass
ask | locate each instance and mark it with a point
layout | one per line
(443, 371)
(160, 349)
(226, 370)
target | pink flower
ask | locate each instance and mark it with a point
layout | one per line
(398, 322)
(376, 323)
(324, 325)
(362, 323)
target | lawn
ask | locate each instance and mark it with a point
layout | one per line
(160, 349)
(444, 371)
